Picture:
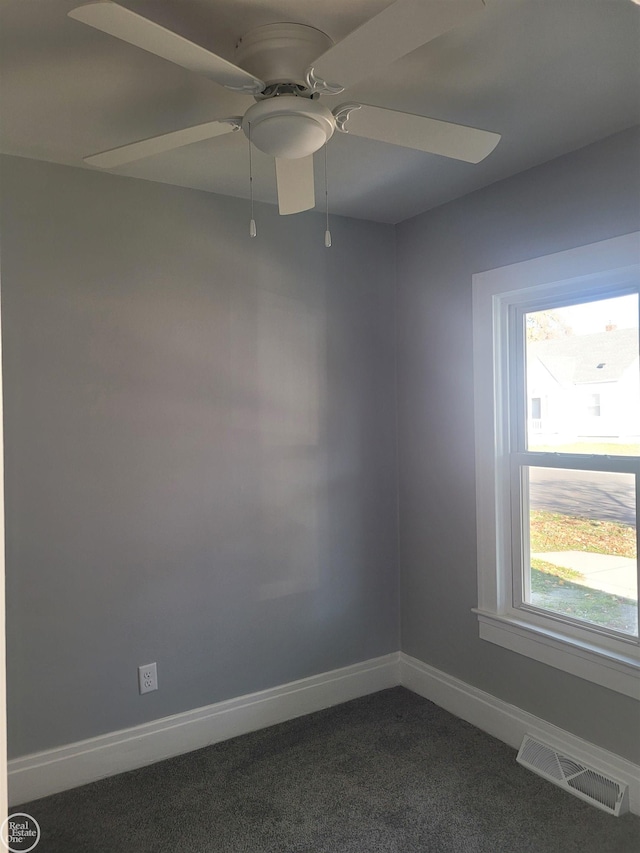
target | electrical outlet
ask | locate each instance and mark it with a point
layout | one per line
(147, 678)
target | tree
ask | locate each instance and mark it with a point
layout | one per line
(546, 326)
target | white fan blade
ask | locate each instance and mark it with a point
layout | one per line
(394, 32)
(423, 134)
(167, 142)
(295, 184)
(141, 32)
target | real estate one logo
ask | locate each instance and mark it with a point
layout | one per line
(20, 833)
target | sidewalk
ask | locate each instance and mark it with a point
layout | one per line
(615, 575)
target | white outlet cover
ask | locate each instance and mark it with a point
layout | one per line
(147, 678)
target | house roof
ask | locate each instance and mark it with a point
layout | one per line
(579, 359)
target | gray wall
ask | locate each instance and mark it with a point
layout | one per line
(581, 198)
(200, 448)
(200, 441)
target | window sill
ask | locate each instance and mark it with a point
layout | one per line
(616, 671)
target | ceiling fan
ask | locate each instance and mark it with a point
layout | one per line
(285, 68)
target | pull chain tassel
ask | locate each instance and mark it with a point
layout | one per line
(327, 233)
(252, 224)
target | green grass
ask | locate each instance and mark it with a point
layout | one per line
(551, 531)
(560, 572)
(552, 587)
(552, 592)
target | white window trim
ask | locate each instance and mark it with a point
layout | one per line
(582, 271)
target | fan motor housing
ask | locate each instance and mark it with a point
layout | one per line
(281, 53)
(288, 127)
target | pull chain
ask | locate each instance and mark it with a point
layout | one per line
(252, 224)
(327, 233)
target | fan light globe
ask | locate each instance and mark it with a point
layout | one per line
(288, 127)
(288, 136)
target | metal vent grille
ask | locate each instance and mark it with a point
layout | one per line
(573, 776)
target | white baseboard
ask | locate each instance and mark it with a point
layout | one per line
(509, 723)
(54, 770)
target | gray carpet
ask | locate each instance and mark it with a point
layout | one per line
(389, 773)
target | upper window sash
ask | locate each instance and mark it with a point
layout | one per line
(514, 356)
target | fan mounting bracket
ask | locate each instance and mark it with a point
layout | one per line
(317, 84)
(235, 122)
(341, 115)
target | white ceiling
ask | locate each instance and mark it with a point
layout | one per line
(549, 75)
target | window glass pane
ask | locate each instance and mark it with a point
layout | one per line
(581, 558)
(583, 379)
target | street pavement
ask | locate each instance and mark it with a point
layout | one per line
(604, 496)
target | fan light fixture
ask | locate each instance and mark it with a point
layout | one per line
(288, 126)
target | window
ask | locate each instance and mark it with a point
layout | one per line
(593, 405)
(536, 408)
(556, 495)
